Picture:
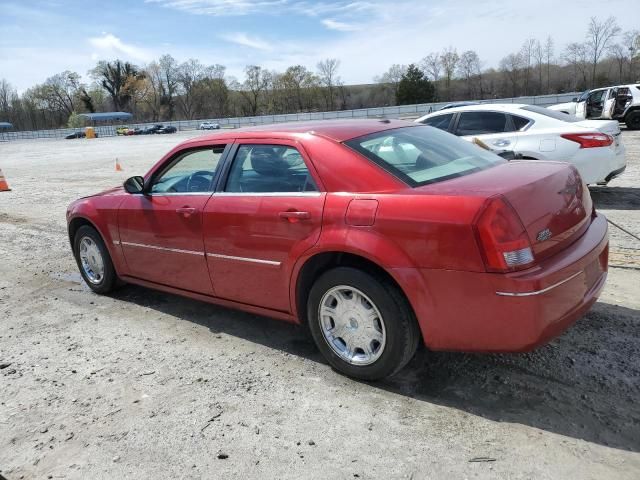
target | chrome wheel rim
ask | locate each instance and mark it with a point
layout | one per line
(352, 325)
(91, 260)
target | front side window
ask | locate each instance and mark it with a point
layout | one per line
(191, 172)
(421, 155)
(269, 169)
(479, 123)
(439, 121)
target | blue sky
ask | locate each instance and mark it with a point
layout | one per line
(41, 38)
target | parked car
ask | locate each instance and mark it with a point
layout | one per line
(378, 235)
(621, 102)
(152, 129)
(122, 130)
(78, 134)
(537, 133)
(209, 126)
(167, 129)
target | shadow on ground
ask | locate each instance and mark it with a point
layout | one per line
(616, 198)
(584, 385)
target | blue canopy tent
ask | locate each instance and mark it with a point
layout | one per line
(105, 117)
(4, 126)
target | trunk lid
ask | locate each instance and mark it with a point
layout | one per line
(550, 198)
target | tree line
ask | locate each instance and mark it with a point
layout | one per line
(165, 89)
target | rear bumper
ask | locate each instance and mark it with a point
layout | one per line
(516, 312)
(597, 164)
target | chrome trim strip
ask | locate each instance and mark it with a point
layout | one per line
(174, 194)
(116, 242)
(155, 247)
(538, 292)
(244, 259)
(269, 194)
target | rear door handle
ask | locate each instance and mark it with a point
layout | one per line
(186, 211)
(295, 216)
(503, 142)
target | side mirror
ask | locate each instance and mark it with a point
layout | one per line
(134, 184)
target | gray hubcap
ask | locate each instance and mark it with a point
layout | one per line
(352, 325)
(91, 260)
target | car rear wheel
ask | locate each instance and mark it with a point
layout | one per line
(94, 260)
(361, 323)
(632, 120)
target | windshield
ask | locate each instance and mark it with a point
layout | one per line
(421, 155)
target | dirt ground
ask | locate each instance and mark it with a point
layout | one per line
(143, 384)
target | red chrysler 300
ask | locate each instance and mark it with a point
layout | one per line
(377, 234)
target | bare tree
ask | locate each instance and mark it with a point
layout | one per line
(511, 66)
(538, 56)
(469, 69)
(449, 59)
(599, 36)
(189, 76)
(548, 57)
(432, 66)
(392, 78)
(328, 74)
(526, 55)
(619, 54)
(169, 74)
(576, 56)
(256, 82)
(631, 41)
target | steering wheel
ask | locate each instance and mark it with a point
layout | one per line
(199, 181)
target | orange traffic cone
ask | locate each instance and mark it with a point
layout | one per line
(4, 186)
(118, 166)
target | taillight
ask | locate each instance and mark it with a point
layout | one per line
(589, 140)
(503, 239)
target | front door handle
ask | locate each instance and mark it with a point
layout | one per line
(295, 216)
(186, 211)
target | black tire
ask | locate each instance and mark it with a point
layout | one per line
(401, 327)
(109, 278)
(632, 120)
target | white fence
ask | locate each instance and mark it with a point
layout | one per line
(236, 122)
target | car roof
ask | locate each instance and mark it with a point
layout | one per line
(505, 107)
(336, 130)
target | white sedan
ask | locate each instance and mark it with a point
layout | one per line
(594, 147)
(209, 126)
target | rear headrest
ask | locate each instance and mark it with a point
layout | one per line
(266, 162)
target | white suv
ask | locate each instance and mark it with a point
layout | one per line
(209, 126)
(621, 102)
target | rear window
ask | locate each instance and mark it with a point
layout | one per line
(421, 155)
(565, 117)
(439, 121)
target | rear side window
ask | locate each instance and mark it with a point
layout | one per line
(439, 121)
(269, 169)
(520, 122)
(478, 123)
(421, 155)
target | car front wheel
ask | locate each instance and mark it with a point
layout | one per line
(361, 323)
(94, 260)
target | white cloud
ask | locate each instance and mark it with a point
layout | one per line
(112, 46)
(340, 26)
(245, 40)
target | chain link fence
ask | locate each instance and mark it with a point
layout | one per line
(400, 111)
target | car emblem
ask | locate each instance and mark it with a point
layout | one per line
(544, 235)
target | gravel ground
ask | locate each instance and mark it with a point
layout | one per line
(144, 384)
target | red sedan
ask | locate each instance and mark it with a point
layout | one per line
(376, 234)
